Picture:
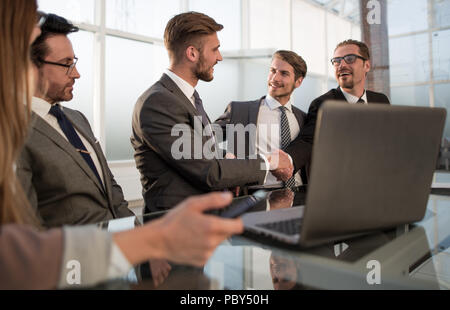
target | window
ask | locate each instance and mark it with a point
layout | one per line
(80, 11)
(144, 17)
(123, 54)
(83, 94)
(408, 18)
(226, 13)
(409, 58)
(131, 68)
(269, 24)
(309, 42)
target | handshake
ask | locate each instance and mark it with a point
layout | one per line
(280, 165)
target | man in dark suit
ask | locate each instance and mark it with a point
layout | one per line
(351, 62)
(267, 114)
(170, 170)
(62, 167)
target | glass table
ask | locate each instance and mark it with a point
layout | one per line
(415, 256)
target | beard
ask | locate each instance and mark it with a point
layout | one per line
(347, 84)
(202, 72)
(282, 93)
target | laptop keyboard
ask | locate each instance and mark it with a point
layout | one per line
(288, 227)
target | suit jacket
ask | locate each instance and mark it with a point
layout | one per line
(59, 183)
(245, 113)
(165, 179)
(301, 148)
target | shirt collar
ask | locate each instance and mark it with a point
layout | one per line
(40, 106)
(185, 87)
(273, 104)
(353, 99)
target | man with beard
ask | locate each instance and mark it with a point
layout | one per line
(171, 111)
(62, 167)
(351, 62)
(276, 120)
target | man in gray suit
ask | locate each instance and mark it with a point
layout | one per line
(274, 117)
(62, 167)
(170, 172)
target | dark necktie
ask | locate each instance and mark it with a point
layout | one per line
(360, 101)
(200, 109)
(205, 120)
(73, 137)
(285, 133)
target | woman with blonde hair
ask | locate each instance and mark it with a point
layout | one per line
(34, 259)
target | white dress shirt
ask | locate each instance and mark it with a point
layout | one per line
(353, 99)
(185, 87)
(268, 131)
(119, 265)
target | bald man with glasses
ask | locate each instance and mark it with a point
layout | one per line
(62, 168)
(351, 62)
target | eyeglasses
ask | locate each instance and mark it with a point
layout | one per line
(69, 67)
(41, 17)
(349, 59)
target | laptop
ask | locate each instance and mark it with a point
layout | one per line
(372, 169)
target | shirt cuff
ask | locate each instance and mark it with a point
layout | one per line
(119, 265)
(86, 256)
(266, 166)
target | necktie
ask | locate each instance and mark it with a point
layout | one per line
(360, 101)
(73, 137)
(285, 133)
(205, 120)
(200, 109)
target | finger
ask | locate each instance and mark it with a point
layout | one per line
(209, 201)
(225, 227)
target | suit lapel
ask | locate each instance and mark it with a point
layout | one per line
(370, 97)
(173, 88)
(95, 145)
(253, 111)
(298, 116)
(40, 125)
(340, 94)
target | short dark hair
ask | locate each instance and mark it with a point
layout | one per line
(187, 29)
(363, 48)
(295, 60)
(54, 25)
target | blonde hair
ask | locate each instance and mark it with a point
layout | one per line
(17, 20)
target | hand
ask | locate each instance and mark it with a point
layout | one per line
(190, 236)
(160, 271)
(279, 160)
(283, 174)
(281, 199)
(185, 235)
(230, 156)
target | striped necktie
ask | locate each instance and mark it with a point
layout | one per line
(285, 133)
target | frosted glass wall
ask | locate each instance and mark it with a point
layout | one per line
(145, 17)
(131, 68)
